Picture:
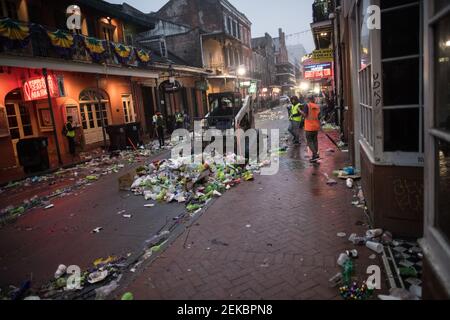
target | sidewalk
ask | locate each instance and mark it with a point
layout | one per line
(275, 238)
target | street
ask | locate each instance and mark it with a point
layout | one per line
(275, 237)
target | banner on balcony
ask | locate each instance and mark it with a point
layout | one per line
(35, 89)
(323, 55)
(96, 48)
(14, 34)
(143, 55)
(122, 52)
(62, 41)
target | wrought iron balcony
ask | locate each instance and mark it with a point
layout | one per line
(35, 41)
(322, 10)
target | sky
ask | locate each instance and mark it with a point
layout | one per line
(293, 16)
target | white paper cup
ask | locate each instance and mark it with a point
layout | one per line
(375, 246)
(343, 258)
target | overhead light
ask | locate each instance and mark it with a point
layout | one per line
(447, 44)
(304, 86)
(241, 71)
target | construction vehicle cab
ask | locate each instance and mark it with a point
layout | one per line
(229, 111)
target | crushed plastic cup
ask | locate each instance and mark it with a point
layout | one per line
(375, 246)
(343, 258)
(374, 233)
(350, 183)
(352, 253)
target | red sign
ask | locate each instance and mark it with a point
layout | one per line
(318, 71)
(34, 88)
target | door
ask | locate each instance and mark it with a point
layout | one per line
(91, 120)
(19, 122)
(128, 109)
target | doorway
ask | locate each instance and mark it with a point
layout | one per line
(94, 109)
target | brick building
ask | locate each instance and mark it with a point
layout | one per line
(96, 75)
(209, 34)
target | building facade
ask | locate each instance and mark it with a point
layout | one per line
(265, 48)
(217, 38)
(95, 75)
(285, 70)
(395, 87)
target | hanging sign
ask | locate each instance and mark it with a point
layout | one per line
(34, 88)
(323, 55)
(169, 87)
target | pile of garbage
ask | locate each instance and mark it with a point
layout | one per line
(70, 283)
(193, 183)
(330, 127)
(71, 180)
(272, 115)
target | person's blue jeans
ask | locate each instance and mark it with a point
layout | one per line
(294, 130)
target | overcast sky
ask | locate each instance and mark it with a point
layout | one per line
(266, 15)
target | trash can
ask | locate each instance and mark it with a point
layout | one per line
(117, 137)
(133, 133)
(33, 154)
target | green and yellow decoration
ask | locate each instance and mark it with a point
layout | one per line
(96, 48)
(14, 34)
(62, 41)
(143, 55)
(122, 52)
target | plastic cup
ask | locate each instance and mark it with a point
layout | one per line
(374, 246)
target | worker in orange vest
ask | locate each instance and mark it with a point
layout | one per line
(311, 113)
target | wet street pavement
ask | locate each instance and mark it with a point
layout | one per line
(273, 238)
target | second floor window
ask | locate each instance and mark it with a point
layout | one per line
(107, 31)
(8, 8)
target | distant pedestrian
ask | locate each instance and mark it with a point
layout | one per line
(69, 132)
(179, 120)
(187, 121)
(296, 119)
(311, 113)
(159, 124)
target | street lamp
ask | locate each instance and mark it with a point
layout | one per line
(240, 72)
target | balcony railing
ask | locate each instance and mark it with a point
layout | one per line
(38, 44)
(322, 10)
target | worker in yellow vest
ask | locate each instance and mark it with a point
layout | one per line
(312, 127)
(179, 120)
(69, 132)
(296, 119)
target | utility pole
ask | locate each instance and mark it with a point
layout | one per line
(55, 134)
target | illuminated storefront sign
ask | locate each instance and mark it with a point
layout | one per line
(318, 71)
(324, 55)
(35, 89)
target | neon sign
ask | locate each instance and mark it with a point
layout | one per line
(34, 88)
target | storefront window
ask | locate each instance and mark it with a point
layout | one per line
(401, 73)
(401, 130)
(19, 121)
(442, 74)
(443, 188)
(399, 37)
(401, 82)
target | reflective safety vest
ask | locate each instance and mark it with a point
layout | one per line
(295, 113)
(312, 122)
(179, 117)
(71, 133)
